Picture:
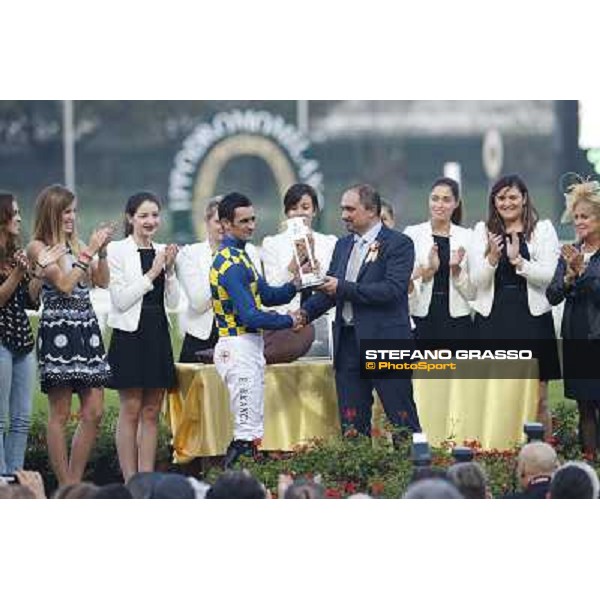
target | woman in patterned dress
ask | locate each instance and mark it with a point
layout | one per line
(71, 356)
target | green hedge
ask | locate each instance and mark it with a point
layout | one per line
(345, 465)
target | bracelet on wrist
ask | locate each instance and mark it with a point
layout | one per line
(102, 254)
(81, 265)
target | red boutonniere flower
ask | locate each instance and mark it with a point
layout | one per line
(373, 252)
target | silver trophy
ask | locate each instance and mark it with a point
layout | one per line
(308, 268)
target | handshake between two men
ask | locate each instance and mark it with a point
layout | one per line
(300, 316)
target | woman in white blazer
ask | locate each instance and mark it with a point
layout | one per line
(513, 259)
(192, 267)
(277, 254)
(441, 289)
(142, 285)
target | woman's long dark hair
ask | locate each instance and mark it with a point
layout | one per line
(495, 223)
(9, 242)
(457, 214)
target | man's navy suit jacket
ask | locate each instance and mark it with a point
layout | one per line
(379, 296)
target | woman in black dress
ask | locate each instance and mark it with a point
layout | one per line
(577, 281)
(142, 285)
(513, 259)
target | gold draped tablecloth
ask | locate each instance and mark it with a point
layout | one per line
(301, 403)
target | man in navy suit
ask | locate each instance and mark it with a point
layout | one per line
(367, 282)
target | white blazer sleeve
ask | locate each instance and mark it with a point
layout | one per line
(124, 291)
(255, 253)
(171, 291)
(417, 287)
(193, 274)
(463, 282)
(539, 270)
(481, 272)
(275, 270)
(324, 246)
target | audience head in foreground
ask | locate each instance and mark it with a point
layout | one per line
(574, 480)
(470, 480)
(432, 489)
(235, 484)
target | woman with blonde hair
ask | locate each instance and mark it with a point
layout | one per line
(71, 356)
(192, 266)
(577, 282)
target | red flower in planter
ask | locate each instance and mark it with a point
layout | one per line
(350, 433)
(474, 444)
(332, 493)
(447, 444)
(376, 432)
(350, 487)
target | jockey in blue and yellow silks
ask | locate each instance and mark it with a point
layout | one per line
(238, 294)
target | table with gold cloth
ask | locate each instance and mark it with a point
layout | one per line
(301, 403)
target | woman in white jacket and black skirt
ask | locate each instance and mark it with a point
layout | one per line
(440, 287)
(513, 258)
(142, 285)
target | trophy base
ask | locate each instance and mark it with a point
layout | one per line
(310, 282)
